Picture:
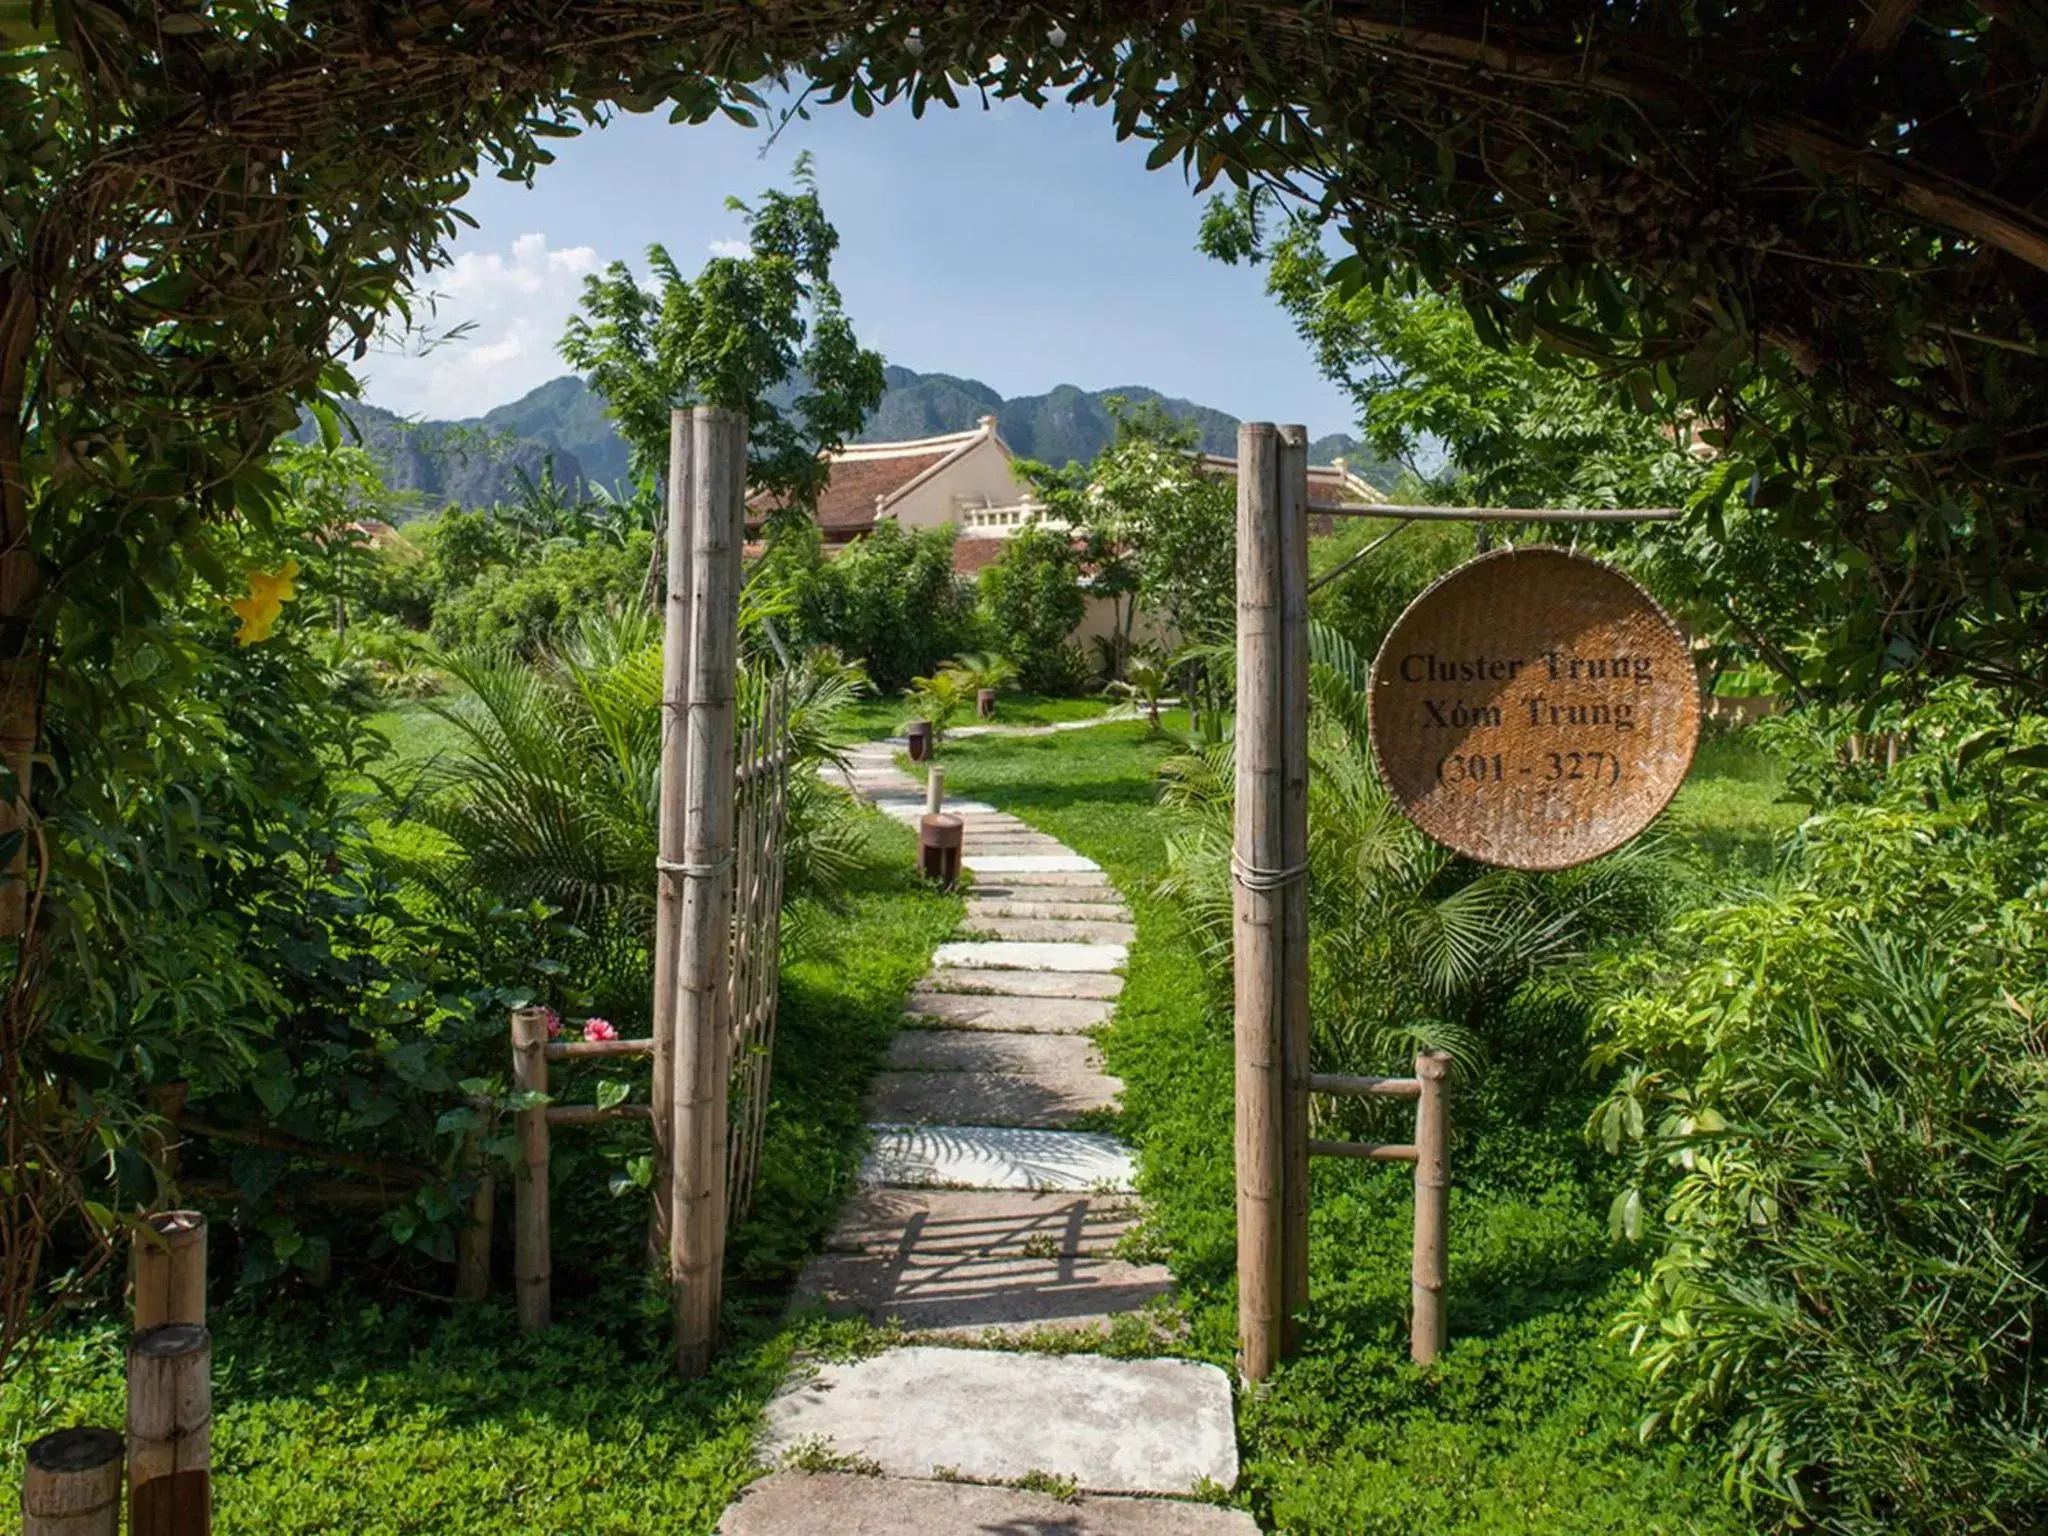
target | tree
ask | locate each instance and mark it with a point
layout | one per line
(1032, 600)
(730, 337)
(1521, 424)
(1164, 531)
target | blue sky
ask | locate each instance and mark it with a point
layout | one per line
(1019, 247)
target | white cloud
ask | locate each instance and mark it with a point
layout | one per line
(515, 303)
(733, 248)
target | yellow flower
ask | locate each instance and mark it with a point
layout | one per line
(269, 591)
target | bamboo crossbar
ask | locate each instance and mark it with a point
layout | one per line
(1365, 1087)
(1503, 514)
(569, 1050)
(591, 1114)
(1370, 1151)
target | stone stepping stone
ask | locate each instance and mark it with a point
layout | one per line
(905, 810)
(987, 1050)
(996, 1157)
(1045, 1102)
(984, 1221)
(1048, 930)
(841, 1504)
(1028, 863)
(1112, 1426)
(1069, 911)
(979, 981)
(1094, 894)
(1004, 955)
(963, 1294)
(941, 1013)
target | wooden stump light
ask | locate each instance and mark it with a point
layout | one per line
(985, 703)
(72, 1486)
(917, 738)
(940, 840)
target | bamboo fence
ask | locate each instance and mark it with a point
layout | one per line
(760, 823)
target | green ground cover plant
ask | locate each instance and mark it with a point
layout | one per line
(387, 1412)
(1530, 1423)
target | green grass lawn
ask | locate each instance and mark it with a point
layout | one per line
(872, 719)
(367, 1409)
(1529, 1423)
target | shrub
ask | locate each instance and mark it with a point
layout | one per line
(891, 601)
(1835, 1105)
(528, 607)
(1032, 600)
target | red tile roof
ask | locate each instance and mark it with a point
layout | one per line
(973, 556)
(847, 504)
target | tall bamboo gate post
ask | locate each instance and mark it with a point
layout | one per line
(1268, 864)
(668, 910)
(718, 467)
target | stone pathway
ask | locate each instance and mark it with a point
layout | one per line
(991, 1211)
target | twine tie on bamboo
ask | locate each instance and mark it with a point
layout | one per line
(710, 871)
(1255, 878)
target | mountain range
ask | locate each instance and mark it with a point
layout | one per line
(479, 460)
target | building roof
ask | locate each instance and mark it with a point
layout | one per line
(1329, 485)
(867, 477)
(973, 556)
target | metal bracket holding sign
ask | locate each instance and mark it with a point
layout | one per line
(1520, 656)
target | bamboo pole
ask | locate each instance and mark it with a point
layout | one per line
(532, 1261)
(170, 1432)
(934, 790)
(72, 1484)
(1257, 905)
(697, 1234)
(668, 900)
(1428, 1335)
(169, 1269)
(1293, 746)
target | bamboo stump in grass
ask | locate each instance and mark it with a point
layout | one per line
(170, 1270)
(1428, 1334)
(170, 1432)
(72, 1484)
(532, 1281)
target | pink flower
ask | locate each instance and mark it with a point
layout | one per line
(599, 1029)
(554, 1023)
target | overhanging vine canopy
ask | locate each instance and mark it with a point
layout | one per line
(1820, 227)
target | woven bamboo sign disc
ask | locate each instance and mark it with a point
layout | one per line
(1534, 709)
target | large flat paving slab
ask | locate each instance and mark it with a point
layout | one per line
(1027, 863)
(840, 1504)
(1006, 1014)
(1056, 884)
(996, 1157)
(905, 811)
(979, 981)
(979, 907)
(1042, 1100)
(1005, 955)
(990, 1050)
(980, 1294)
(983, 1221)
(1049, 930)
(1113, 1426)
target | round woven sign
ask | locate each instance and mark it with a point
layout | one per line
(1534, 709)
